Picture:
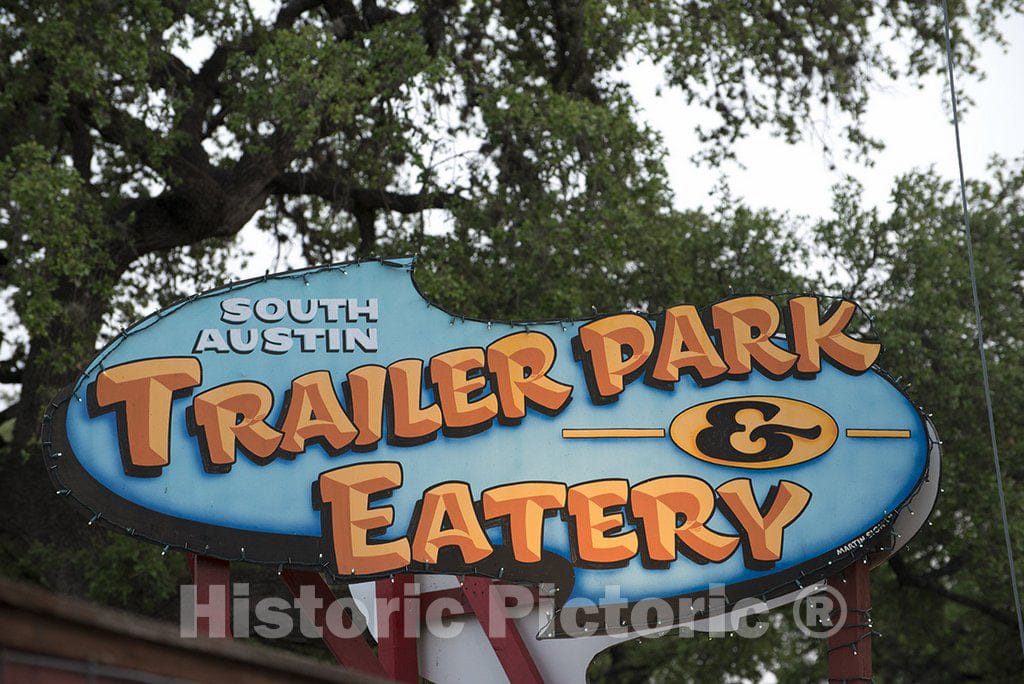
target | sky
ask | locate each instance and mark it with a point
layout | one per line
(912, 119)
(913, 122)
(915, 125)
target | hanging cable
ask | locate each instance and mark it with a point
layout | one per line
(977, 318)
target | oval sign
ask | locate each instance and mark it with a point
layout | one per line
(754, 432)
(331, 418)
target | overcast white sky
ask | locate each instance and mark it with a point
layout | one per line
(914, 124)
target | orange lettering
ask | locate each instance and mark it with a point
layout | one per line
(365, 391)
(451, 500)
(809, 336)
(519, 363)
(746, 326)
(409, 424)
(233, 415)
(761, 531)
(684, 343)
(350, 520)
(658, 503)
(524, 505)
(613, 350)
(141, 393)
(587, 503)
(314, 413)
(449, 372)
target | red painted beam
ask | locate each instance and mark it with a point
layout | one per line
(849, 649)
(348, 648)
(212, 577)
(501, 630)
(397, 627)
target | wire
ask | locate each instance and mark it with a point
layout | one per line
(981, 336)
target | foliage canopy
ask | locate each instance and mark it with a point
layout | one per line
(499, 141)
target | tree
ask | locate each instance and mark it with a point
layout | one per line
(139, 139)
(943, 605)
(911, 268)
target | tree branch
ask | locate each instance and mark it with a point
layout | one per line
(126, 131)
(81, 144)
(908, 579)
(204, 203)
(366, 220)
(291, 11)
(574, 72)
(362, 203)
(340, 194)
(374, 15)
(172, 70)
(347, 21)
(433, 19)
(9, 412)
(403, 203)
(10, 373)
(205, 83)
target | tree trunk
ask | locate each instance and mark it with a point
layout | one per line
(42, 533)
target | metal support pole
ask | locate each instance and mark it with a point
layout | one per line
(849, 649)
(490, 609)
(397, 626)
(212, 577)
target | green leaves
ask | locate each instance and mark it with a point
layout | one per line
(53, 231)
(303, 82)
(499, 142)
(951, 586)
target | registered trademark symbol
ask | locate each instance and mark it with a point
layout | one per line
(819, 611)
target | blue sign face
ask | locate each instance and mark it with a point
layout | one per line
(333, 418)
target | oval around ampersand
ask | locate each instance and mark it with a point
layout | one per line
(757, 432)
